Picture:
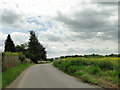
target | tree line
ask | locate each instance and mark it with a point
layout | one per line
(87, 56)
(33, 49)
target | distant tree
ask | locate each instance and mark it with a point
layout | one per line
(118, 55)
(37, 51)
(62, 57)
(9, 44)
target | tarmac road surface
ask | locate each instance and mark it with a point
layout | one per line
(46, 76)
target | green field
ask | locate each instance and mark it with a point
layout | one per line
(10, 74)
(102, 71)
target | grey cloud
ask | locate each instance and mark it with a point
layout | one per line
(11, 18)
(88, 51)
(107, 3)
(75, 50)
(53, 38)
(89, 21)
(112, 35)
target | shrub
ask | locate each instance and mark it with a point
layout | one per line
(85, 78)
(21, 57)
(72, 69)
(57, 63)
(95, 70)
(106, 65)
(79, 73)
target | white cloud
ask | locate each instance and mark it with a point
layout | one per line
(63, 26)
(19, 38)
(2, 40)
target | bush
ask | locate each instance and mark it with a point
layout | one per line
(57, 63)
(62, 65)
(21, 57)
(79, 73)
(85, 78)
(106, 65)
(72, 69)
(65, 65)
(95, 70)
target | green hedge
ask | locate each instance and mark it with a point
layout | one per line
(11, 53)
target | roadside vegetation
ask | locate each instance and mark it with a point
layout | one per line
(33, 50)
(17, 58)
(10, 74)
(102, 71)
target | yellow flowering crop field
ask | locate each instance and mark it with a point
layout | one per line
(102, 71)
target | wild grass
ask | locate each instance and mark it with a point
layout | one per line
(10, 74)
(102, 71)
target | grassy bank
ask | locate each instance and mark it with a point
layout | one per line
(98, 71)
(10, 74)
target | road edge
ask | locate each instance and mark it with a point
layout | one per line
(18, 78)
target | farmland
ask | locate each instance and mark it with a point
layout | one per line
(102, 71)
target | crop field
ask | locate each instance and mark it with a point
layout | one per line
(102, 71)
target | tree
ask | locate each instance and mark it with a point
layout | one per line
(20, 48)
(37, 51)
(9, 44)
(43, 57)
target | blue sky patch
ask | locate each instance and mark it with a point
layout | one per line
(9, 30)
(32, 20)
(49, 24)
(35, 21)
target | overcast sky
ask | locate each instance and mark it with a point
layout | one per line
(64, 27)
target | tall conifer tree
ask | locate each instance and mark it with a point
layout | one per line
(9, 44)
(35, 48)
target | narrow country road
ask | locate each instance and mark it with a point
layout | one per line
(46, 76)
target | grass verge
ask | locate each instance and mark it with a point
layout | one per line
(10, 74)
(98, 71)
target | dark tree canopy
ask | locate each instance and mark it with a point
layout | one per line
(43, 57)
(9, 45)
(20, 48)
(36, 49)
